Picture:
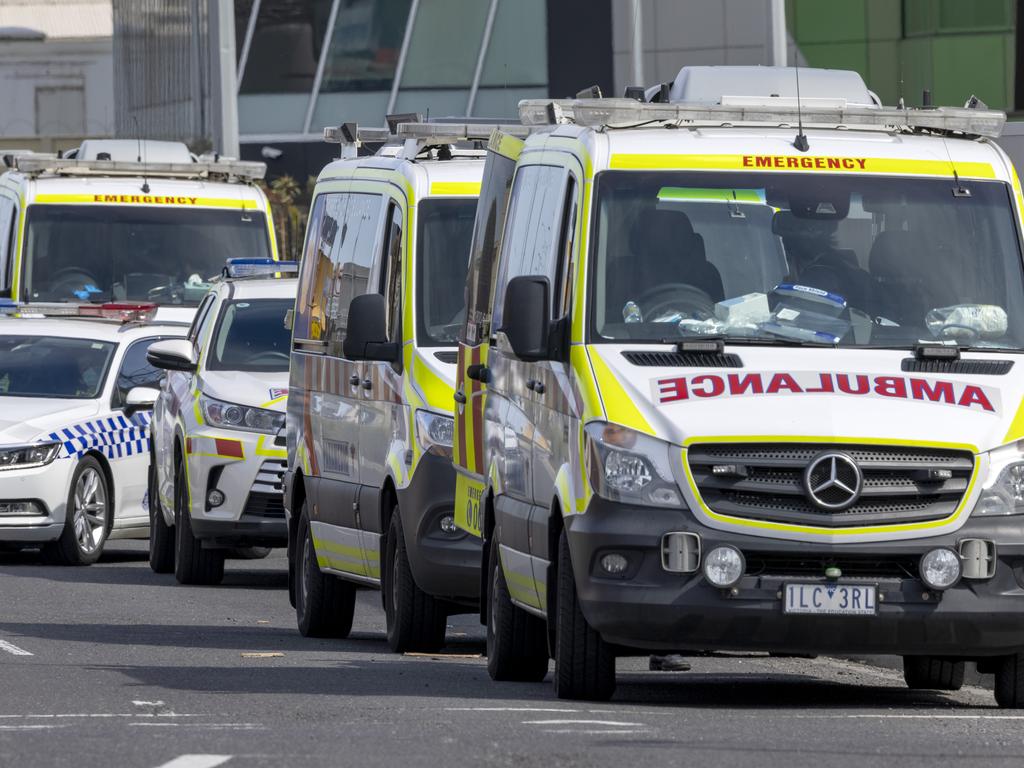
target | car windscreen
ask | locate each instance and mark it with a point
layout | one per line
(251, 336)
(848, 260)
(44, 366)
(442, 242)
(99, 253)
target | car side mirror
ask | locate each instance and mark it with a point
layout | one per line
(526, 317)
(367, 334)
(172, 355)
(140, 399)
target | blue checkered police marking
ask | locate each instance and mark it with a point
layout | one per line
(116, 437)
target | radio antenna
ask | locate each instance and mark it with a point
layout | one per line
(140, 153)
(800, 142)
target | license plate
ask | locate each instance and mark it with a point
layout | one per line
(836, 599)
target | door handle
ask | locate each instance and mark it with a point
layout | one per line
(353, 380)
(535, 385)
(367, 384)
(460, 397)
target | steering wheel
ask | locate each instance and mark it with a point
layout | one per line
(972, 334)
(269, 356)
(679, 297)
(65, 281)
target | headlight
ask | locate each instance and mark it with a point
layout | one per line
(1003, 495)
(628, 466)
(435, 432)
(231, 416)
(28, 456)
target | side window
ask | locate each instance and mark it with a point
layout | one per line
(561, 290)
(532, 230)
(8, 228)
(135, 371)
(307, 303)
(391, 274)
(198, 322)
(352, 252)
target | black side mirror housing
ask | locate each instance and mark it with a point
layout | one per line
(367, 334)
(526, 318)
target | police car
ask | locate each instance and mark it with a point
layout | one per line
(75, 396)
(217, 458)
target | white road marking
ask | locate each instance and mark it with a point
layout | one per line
(28, 727)
(99, 714)
(197, 761)
(12, 649)
(222, 726)
(597, 732)
(507, 709)
(584, 722)
(907, 717)
(148, 703)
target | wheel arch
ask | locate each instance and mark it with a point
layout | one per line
(108, 475)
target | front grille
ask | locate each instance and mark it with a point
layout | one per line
(972, 367)
(270, 477)
(264, 505)
(683, 359)
(772, 564)
(765, 481)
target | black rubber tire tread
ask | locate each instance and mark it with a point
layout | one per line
(330, 603)
(161, 535)
(1009, 688)
(65, 550)
(517, 647)
(933, 673)
(584, 662)
(415, 620)
(192, 563)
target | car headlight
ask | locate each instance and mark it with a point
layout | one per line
(435, 432)
(1003, 493)
(624, 465)
(28, 456)
(232, 416)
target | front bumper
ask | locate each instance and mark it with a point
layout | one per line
(653, 609)
(444, 565)
(48, 486)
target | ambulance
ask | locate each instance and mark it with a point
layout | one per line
(369, 487)
(126, 221)
(742, 371)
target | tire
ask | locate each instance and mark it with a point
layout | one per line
(1010, 682)
(324, 604)
(933, 673)
(415, 620)
(584, 662)
(87, 518)
(192, 563)
(517, 647)
(161, 535)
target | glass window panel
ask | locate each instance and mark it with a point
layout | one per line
(517, 55)
(365, 44)
(286, 46)
(445, 44)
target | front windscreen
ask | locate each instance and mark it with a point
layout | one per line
(795, 258)
(443, 239)
(99, 253)
(42, 366)
(251, 336)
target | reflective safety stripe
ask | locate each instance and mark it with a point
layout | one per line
(342, 549)
(519, 576)
(467, 188)
(158, 200)
(214, 447)
(115, 436)
(266, 447)
(618, 405)
(801, 163)
(437, 393)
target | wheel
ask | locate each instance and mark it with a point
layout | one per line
(161, 535)
(87, 519)
(1010, 682)
(584, 662)
(517, 647)
(324, 604)
(192, 563)
(415, 620)
(933, 673)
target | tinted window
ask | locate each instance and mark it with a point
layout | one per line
(40, 366)
(286, 45)
(445, 231)
(251, 336)
(8, 214)
(135, 372)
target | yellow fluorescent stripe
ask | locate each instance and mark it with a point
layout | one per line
(617, 403)
(837, 532)
(455, 188)
(272, 452)
(437, 392)
(802, 163)
(1016, 430)
(275, 401)
(346, 550)
(185, 201)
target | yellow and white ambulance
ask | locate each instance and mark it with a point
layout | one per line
(127, 221)
(743, 371)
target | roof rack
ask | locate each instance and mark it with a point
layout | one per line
(415, 134)
(221, 169)
(781, 112)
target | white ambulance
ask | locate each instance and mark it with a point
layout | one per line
(127, 221)
(749, 377)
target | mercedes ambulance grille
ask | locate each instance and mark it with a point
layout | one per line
(764, 481)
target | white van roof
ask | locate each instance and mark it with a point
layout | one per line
(714, 85)
(132, 150)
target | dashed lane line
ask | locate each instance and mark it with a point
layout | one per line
(196, 761)
(12, 649)
(607, 723)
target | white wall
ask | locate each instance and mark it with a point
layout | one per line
(56, 63)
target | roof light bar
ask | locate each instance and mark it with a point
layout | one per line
(628, 112)
(350, 133)
(124, 312)
(246, 267)
(221, 169)
(451, 133)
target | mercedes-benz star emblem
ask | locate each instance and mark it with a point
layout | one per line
(833, 481)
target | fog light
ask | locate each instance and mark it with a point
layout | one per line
(614, 563)
(215, 498)
(723, 566)
(940, 568)
(20, 508)
(448, 524)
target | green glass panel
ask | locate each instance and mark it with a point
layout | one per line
(815, 21)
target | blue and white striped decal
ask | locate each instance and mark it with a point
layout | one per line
(116, 437)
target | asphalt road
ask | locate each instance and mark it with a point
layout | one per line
(113, 665)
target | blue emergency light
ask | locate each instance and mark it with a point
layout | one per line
(8, 306)
(247, 267)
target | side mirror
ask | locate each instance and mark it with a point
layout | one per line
(140, 399)
(367, 334)
(526, 317)
(172, 355)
